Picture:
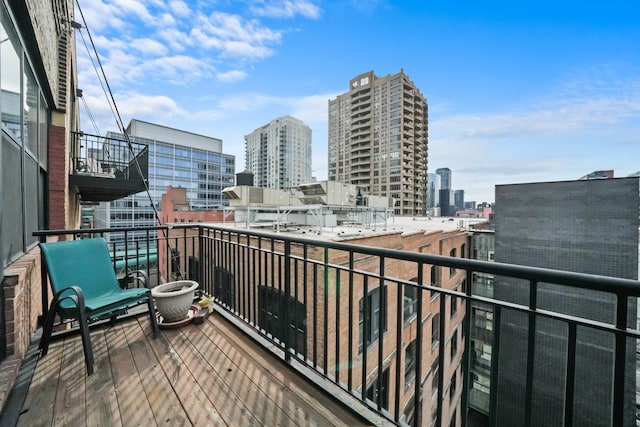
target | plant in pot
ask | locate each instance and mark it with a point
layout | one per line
(173, 299)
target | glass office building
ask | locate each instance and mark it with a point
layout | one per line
(176, 158)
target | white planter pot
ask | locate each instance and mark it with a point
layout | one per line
(173, 299)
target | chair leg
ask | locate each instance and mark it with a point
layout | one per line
(154, 319)
(47, 329)
(86, 344)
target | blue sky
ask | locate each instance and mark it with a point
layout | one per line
(517, 92)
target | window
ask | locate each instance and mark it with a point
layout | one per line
(454, 305)
(409, 413)
(454, 344)
(435, 375)
(410, 301)
(434, 279)
(435, 329)
(23, 150)
(373, 317)
(463, 251)
(380, 390)
(452, 388)
(452, 254)
(410, 363)
(270, 302)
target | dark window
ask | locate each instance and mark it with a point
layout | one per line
(452, 254)
(454, 305)
(454, 344)
(380, 390)
(410, 301)
(373, 315)
(270, 303)
(452, 389)
(409, 413)
(410, 363)
(434, 279)
(463, 251)
(223, 287)
(435, 329)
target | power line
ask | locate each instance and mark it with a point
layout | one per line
(114, 108)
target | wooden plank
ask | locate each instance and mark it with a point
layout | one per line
(164, 403)
(70, 395)
(235, 374)
(302, 401)
(194, 399)
(102, 402)
(132, 402)
(39, 403)
(231, 406)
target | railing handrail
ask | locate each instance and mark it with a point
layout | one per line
(613, 285)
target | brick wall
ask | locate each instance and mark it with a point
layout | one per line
(57, 178)
(22, 291)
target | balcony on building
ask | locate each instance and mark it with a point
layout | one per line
(106, 169)
(318, 331)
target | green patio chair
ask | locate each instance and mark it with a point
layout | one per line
(86, 288)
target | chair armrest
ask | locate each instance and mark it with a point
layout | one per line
(76, 295)
(140, 277)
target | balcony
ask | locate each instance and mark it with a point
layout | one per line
(106, 169)
(207, 375)
(389, 334)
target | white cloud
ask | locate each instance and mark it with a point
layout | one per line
(234, 36)
(231, 76)
(179, 69)
(548, 116)
(287, 9)
(149, 46)
(179, 8)
(135, 7)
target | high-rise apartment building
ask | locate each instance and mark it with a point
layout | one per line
(556, 225)
(278, 154)
(176, 158)
(378, 137)
(445, 175)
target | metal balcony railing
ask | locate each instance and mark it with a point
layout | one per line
(106, 169)
(386, 329)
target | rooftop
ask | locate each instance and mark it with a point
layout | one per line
(397, 224)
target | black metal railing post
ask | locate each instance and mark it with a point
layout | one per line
(417, 393)
(284, 300)
(531, 350)
(620, 355)
(466, 355)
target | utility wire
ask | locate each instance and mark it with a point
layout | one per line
(107, 88)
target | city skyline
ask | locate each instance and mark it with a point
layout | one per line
(545, 92)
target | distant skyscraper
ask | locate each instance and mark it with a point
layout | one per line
(278, 154)
(458, 197)
(547, 225)
(445, 175)
(433, 190)
(447, 207)
(378, 136)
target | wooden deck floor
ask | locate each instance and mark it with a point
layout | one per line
(203, 375)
